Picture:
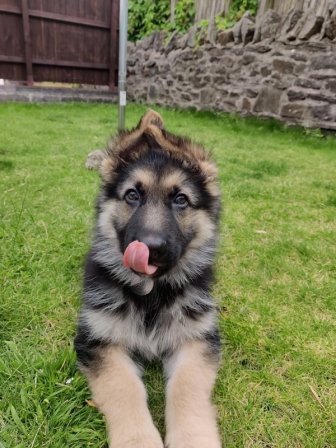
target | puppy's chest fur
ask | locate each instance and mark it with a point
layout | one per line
(152, 330)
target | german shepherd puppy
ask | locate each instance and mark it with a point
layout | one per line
(146, 288)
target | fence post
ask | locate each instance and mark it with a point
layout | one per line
(123, 20)
(113, 76)
(27, 42)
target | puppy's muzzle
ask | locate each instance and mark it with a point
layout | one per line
(158, 249)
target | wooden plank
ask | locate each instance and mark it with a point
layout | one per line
(57, 17)
(14, 59)
(204, 8)
(79, 64)
(15, 72)
(27, 41)
(10, 9)
(114, 27)
(70, 75)
(69, 19)
(282, 7)
(11, 35)
(57, 63)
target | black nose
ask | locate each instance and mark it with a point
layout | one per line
(157, 246)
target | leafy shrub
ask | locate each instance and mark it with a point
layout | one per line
(184, 15)
(236, 11)
(146, 16)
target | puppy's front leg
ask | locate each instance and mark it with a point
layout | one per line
(190, 416)
(121, 396)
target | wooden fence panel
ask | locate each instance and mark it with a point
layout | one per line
(207, 9)
(284, 6)
(11, 42)
(60, 41)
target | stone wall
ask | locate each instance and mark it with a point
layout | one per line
(279, 67)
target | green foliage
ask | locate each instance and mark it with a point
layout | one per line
(201, 32)
(238, 7)
(146, 16)
(236, 11)
(223, 23)
(184, 15)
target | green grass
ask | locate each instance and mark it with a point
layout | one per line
(275, 276)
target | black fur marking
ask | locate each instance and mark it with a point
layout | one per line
(151, 305)
(162, 296)
(213, 345)
(122, 309)
(110, 191)
(121, 232)
(98, 278)
(137, 358)
(87, 349)
(204, 279)
(94, 272)
(197, 309)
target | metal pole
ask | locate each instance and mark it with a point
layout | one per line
(123, 19)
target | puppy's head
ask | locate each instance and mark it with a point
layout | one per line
(160, 190)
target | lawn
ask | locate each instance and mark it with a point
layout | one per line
(275, 281)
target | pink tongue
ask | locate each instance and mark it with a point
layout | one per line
(136, 257)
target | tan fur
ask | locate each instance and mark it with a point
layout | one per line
(106, 168)
(210, 170)
(119, 211)
(114, 151)
(190, 416)
(143, 176)
(173, 179)
(151, 124)
(189, 154)
(125, 140)
(120, 395)
(151, 117)
(204, 227)
(154, 217)
(123, 214)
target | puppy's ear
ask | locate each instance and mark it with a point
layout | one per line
(150, 118)
(127, 139)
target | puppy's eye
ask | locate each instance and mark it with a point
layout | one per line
(132, 196)
(181, 200)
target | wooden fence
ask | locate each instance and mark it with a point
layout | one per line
(208, 9)
(67, 41)
(284, 6)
